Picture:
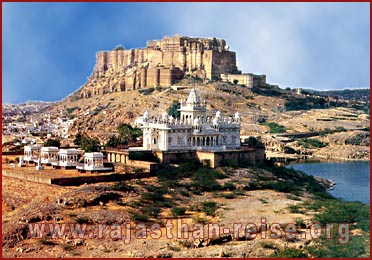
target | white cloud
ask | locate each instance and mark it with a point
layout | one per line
(282, 40)
(265, 39)
(53, 46)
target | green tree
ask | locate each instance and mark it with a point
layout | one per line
(290, 253)
(86, 143)
(173, 109)
(90, 144)
(114, 141)
(52, 142)
(78, 137)
(235, 81)
(209, 208)
(128, 133)
(178, 211)
(251, 141)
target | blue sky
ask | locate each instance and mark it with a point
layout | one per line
(49, 48)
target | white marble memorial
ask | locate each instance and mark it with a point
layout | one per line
(193, 131)
(93, 162)
(31, 153)
(49, 155)
(67, 158)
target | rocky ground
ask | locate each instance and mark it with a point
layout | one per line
(18, 194)
(32, 203)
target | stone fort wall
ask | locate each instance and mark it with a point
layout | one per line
(160, 63)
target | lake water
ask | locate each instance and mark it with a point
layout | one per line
(352, 178)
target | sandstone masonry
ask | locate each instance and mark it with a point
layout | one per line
(162, 63)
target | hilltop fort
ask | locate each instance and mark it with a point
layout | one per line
(164, 62)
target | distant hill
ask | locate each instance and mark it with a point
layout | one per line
(347, 94)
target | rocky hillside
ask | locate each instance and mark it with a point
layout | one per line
(103, 113)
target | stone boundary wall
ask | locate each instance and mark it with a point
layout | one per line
(123, 157)
(174, 156)
(76, 180)
(27, 176)
(214, 158)
(20, 152)
(149, 166)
